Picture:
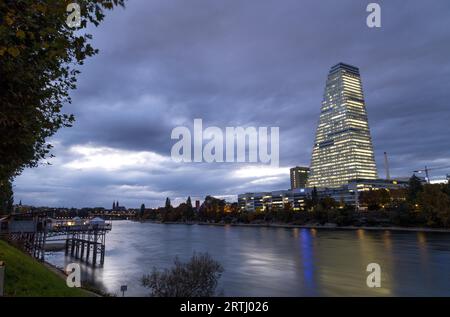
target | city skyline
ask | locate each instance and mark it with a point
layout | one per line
(138, 88)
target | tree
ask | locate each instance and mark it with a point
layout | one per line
(414, 188)
(39, 54)
(141, 212)
(375, 199)
(314, 197)
(189, 202)
(446, 188)
(328, 203)
(398, 197)
(320, 214)
(6, 198)
(402, 215)
(187, 211)
(168, 204)
(312, 200)
(197, 278)
(344, 216)
(287, 212)
(212, 209)
(435, 204)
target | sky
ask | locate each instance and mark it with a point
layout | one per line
(261, 63)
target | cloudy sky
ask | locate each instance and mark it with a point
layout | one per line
(163, 63)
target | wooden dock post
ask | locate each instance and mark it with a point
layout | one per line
(88, 246)
(102, 256)
(67, 246)
(94, 255)
(77, 255)
(72, 248)
(44, 238)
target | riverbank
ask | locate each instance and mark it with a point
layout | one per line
(326, 226)
(25, 276)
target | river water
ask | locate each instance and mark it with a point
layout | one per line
(261, 261)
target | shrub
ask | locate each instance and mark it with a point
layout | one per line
(197, 278)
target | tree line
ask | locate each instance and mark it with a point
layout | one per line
(419, 204)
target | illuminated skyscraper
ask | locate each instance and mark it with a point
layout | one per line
(299, 177)
(343, 147)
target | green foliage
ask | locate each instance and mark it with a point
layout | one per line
(39, 54)
(314, 197)
(27, 277)
(328, 203)
(197, 278)
(142, 210)
(435, 205)
(419, 205)
(212, 209)
(375, 199)
(402, 215)
(168, 204)
(346, 216)
(414, 188)
(189, 202)
(320, 215)
(187, 212)
(6, 197)
(428, 206)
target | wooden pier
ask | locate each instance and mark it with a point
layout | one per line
(84, 238)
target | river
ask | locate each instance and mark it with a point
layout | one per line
(261, 261)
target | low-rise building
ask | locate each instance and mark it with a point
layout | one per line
(275, 200)
(347, 194)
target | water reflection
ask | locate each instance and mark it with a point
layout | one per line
(277, 261)
(307, 252)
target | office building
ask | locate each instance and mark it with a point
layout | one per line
(296, 198)
(343, 146)
(299, 176)
(276, 200)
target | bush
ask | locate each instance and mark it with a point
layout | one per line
(197, 278)
(344, 217)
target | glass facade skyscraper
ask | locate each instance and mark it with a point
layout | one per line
(343, 147)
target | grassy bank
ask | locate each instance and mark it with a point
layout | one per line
(25, 276)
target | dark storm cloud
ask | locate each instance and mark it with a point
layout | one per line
(251, 63)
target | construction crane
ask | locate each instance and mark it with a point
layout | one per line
(427, 170)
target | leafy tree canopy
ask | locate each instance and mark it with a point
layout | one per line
(39, 55)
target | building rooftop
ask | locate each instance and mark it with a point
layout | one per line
(347, 67)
